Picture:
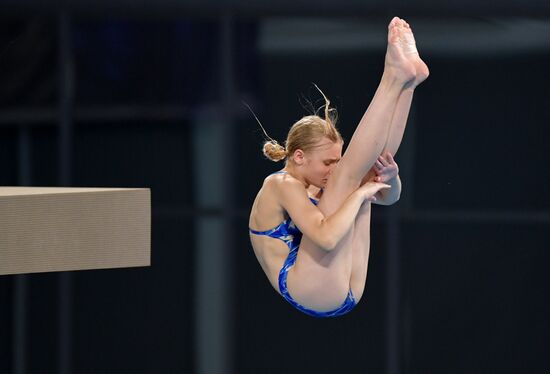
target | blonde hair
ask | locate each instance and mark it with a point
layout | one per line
(304, 133)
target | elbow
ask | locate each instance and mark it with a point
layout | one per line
(395, 200)
(391, 199)
(325, 238)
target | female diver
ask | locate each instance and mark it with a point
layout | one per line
(310, 222)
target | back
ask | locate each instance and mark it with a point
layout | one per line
(266, 214)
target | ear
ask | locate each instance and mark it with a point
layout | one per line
(299, 157)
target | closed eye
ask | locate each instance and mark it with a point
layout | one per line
(333, 161)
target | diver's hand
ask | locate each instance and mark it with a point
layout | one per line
(385, 168)
(369, 189)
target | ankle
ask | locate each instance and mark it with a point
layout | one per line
(392, 80)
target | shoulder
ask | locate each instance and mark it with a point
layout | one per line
(283, 182)
(283, 188)
(290, 192)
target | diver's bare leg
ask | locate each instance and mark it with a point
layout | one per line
(399, 122)
(332, 271)
(361, 233)
(402, 109)
(369, 137)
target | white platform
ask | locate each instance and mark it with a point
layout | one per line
(46, 229)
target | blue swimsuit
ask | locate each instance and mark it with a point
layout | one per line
(291, 236)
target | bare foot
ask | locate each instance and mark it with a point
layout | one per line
(398, 65)
(422, 71)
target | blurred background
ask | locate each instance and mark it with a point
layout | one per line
(149, 94)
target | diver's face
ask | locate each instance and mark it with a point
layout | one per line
(321, 161)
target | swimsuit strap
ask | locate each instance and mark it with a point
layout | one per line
(271, 231)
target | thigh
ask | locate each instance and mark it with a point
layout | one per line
(335, 193)
(325, 276)
(320, 277)
(340, 185)
(360, 250)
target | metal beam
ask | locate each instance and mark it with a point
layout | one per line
(214, 180)
(261, 8)
(66, 97)
(20, 299)
(48, 116)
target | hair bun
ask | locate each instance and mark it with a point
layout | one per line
(274, 151)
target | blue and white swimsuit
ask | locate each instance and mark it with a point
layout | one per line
(292, 236)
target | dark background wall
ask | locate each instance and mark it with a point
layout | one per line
(457, 276)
